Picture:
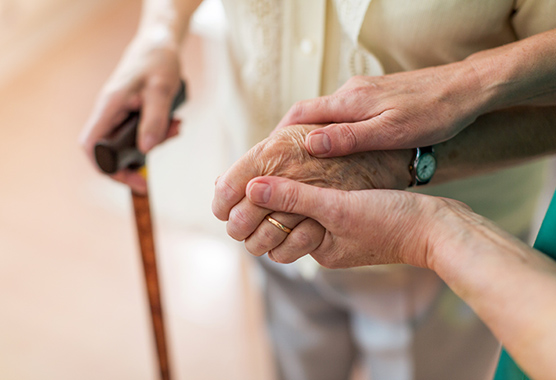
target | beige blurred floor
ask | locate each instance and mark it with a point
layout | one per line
(71, 291)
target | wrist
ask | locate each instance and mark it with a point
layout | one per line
(519, 73)
(425, 231)
(467, 88)
(462, 245)
(448, 234)
(172, 17)
(494, 80)
(158, 35)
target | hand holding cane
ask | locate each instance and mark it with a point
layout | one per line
(119, 151)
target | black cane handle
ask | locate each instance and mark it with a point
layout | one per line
(119, 150)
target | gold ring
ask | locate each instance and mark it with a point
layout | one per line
(278, 224)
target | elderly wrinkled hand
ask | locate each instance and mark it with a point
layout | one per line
(367, 227)
(284, 155)
(146, 79)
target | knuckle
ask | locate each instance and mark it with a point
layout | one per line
(270, 147)
(281, 257)
(348, 137)
(302, 240)
(356, 82)
(336, 216)
(277, 256)
(157, 125)
(296, 111)
(264, 240)
(321, 103)
(270, 237)
(224, 191)
(290, 199)
(238, 224)
(263, 152)
(358, 86)
(232, 232)
(255, 248)
(161, 86)
(352, 82)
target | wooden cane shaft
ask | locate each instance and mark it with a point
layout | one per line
(146, 241)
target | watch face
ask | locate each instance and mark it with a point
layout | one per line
(426, 167)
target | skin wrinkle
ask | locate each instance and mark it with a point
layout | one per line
(285, 155)
(301, 241)
(225, 190)
(465, 231)
(404, 230)
(337, 252)
(475, 252)
(239, 219)
(290, 200)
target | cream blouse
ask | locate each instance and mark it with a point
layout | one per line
(283, 51)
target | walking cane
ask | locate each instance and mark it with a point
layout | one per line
(119, 151)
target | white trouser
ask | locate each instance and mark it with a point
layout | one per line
(403, 323)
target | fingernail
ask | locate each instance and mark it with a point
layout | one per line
(259, 192)
(319, 143)
(148, 143)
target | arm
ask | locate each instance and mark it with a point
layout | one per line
(494, 141)
(486, 146)
(520, 73)
(511, 286)
(170, 16)
(497, 140)
(146, 79)
(431, 105)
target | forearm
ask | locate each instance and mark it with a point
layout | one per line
(516, 97)
(509, 285)
(520, 73)
(166, 19)
(497, 140)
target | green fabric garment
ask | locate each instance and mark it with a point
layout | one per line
(546, 243)
(546, 239)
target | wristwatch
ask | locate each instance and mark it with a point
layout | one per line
(423, 166)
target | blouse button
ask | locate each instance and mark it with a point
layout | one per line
(307, 46)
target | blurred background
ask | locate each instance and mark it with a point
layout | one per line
(72, 303)
(72, 300)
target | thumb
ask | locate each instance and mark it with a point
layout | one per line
(286, 195)
(337, 140)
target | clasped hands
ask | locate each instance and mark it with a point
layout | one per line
(242, 192)
(346, 141)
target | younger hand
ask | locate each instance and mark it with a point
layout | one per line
(397, 111)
